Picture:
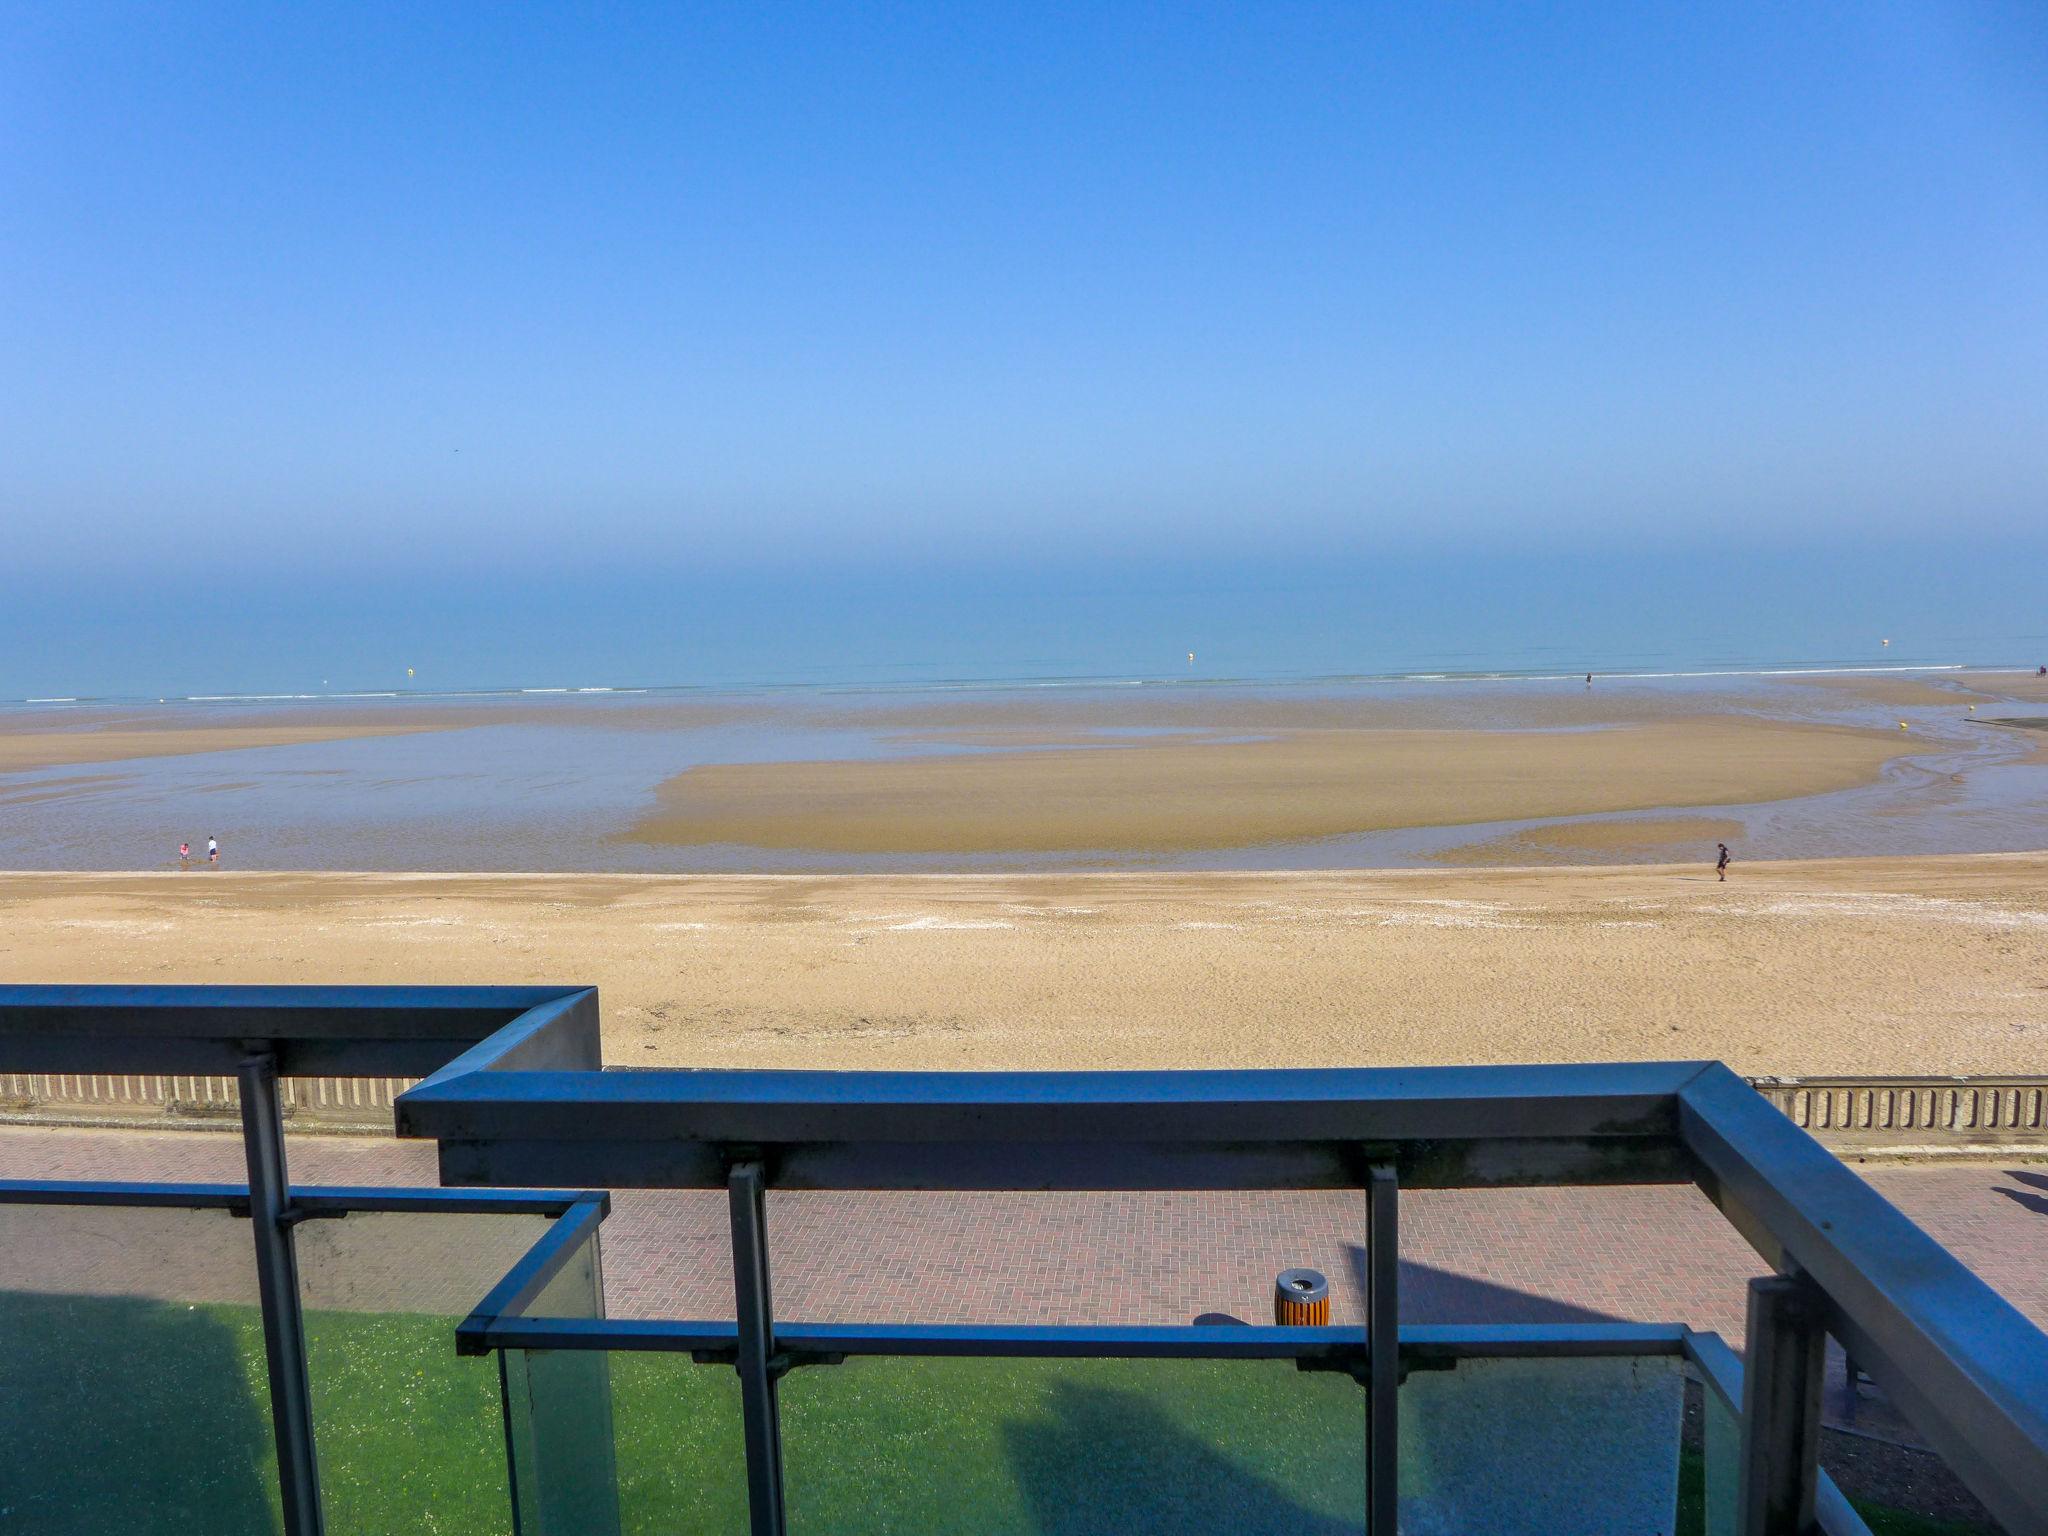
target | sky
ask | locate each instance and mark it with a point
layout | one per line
(576, 294)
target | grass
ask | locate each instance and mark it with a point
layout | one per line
(962, 1446)
(150, 1417)
(1882, 1519)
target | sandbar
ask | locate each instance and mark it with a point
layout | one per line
(1894, 690)
(1637, 840)
(1161, 796)
(23, 750)
(116, 733)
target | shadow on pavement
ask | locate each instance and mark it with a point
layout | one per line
(1432, 1295)
(2038, 1204)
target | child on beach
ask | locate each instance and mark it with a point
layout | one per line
(213, 850)
(184, 855)
(1721, 865)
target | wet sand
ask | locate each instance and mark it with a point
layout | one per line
(2021, 687)
(55, 738)
(1285, 776)
(1873, 966)
(1150, 795)
(1903, 692)
(24, 749)
(1639, 840)
(2031, 695)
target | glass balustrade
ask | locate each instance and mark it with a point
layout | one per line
(410, 1435)
(134, 1394)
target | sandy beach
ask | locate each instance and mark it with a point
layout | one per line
(1871, 965)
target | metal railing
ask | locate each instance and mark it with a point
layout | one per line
(512, 1092)
(134, 1283)
(1721, 1378)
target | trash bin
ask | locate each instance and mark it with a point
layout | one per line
(1301, 1299)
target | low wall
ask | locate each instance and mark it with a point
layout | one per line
(1885, 1116)
(344, 1104)
(1905, 1115)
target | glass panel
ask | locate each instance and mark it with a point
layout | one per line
(133, 1390)
(410, 1434)
(1534, 1447)
(577, 1289)
(1721, 1444)
(1236, 1448)
(558, 1414)
(1073, 1258)
(682, 1458)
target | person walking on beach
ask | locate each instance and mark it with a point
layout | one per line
(184, 856)
(1721, 864)
(213, 850)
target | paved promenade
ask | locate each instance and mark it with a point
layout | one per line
(1655, 1254)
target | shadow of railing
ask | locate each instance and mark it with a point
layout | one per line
(127, 1414)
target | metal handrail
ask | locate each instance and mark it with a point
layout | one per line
(1720, 1372)
(323, 1199)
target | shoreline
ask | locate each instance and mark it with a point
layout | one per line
(374, 697)
(1677, 868)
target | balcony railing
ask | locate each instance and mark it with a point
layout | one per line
(610, 1424)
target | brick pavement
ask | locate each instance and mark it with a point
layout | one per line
(1654, 1254)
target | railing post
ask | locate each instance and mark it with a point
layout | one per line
(1383, 1338)
(1781, 1384)
(759, 1411)
(277, 1283)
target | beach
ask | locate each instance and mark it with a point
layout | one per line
(1260, 875)
(1192, 775)
(1883, 966)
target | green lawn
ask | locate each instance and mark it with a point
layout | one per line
(1882, 1519)
(147, 1417)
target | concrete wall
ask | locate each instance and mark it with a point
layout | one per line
(1892, 1115)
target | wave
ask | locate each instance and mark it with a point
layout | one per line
(1496, 676)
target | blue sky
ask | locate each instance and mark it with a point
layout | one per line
(548, 288)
